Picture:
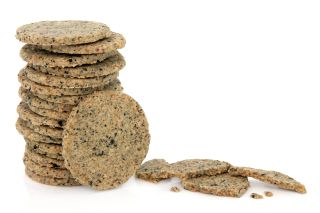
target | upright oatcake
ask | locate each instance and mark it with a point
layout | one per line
(40, 57)
(29, 133)
(114, 42)
(197, 167)
(281, 180)
(62, 32)
(48, 150)
(110, 65)
(153, 170)
(36, 88)
(51, 180)
(44, 160)
(221, 185)
(44, 170)
(105, 139)
(32, 100)
(63, 82)
(75, 99)
(26, 114)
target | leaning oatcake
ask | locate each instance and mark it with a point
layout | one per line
(105, 139)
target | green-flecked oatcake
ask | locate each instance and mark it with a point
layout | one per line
(105, 139)
(62, 32)
(154, 170)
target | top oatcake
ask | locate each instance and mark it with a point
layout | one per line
(62, 32)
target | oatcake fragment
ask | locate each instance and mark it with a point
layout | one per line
(63, 82)
(26, 114)
(44, 170)
(174, 189)
(32, 100)
(44, 160)
(24, 129)
(40, 57)
(36, 88)
(196, 167)
(114, 42)
(153, 170)
(221, 185)
(62, 32)
(256, 196)
(49, 150)
(110, 65)
(105, 139)
(51, 180)
(268, 194)
(281, 180)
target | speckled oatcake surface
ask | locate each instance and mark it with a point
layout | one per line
(28, 115)
(153, 170)
(196, 167)
(44, 170)
(114, 42)
(24, 129)
(40, 57)
(221, 185)
(63, 82)
(49, 150)
(68, 32)
(105, 140)
(32, 100)
(110, 65)
(51, 180)
(279, 179)
(75, 99)
(44, 160)
(36, 88)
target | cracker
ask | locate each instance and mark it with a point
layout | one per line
(51, 180)
(196, 167)
(44, 160)
(53, 132)
(50, 113)
(40, 57)
(24, 129)
(32, 100)
(68, 32)
(110, 65)
(272, 177)
(75, 99)
(49, 150)
(45, 171)
(105, 140)
(221, 185)
(36, 88)
(154, 170)
(114, 42)
(28, 115)
(63, 82)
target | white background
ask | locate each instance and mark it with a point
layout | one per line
(230, 80)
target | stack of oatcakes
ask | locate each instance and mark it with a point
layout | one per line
(67, 60)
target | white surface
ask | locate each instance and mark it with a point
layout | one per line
(230, 80)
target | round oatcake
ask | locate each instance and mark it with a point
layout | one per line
(62, 32)
(44, 160)
(105, 139)
(49, 150)
(32, 55)
(114, 42)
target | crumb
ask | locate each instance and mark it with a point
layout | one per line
(256, 196)
(268, 194)
(174, 189)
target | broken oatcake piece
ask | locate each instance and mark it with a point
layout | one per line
(221, 185)
(256, 196)
(153, 170)
(197, 167)
(281, 180)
